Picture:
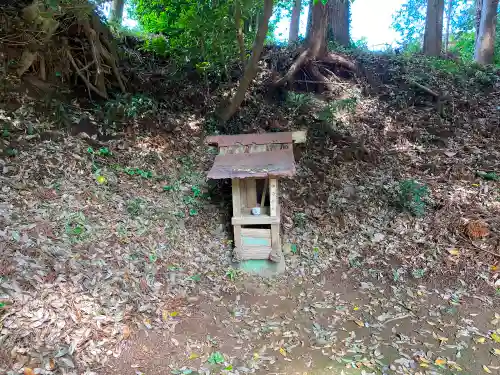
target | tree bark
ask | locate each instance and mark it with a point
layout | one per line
(251, 68)
(338, 21)
(317, 37)
(239, 30)
(485, 43)
(479, 7)
(433, 37)
(316, 42)
(117, 11)
(449, 16)
(309, 18)
(295, 22)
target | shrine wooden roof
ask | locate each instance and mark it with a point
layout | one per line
(253, 155)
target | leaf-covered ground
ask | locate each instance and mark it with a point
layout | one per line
(115, 255)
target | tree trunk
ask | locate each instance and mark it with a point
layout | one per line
(449, 16)
(316, 42)
(295, 22)
(309, 18)
(485, 42)
(433, 37)
(317, 37)
(251, 68)
(338, 21)
(239, 30)
(117, 11)
(479, 7)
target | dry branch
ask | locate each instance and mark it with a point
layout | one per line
(296, 66)
(89, 85)
(334, 58)
(424, 88)
(48, 39)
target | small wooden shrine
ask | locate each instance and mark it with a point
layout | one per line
(254, 163)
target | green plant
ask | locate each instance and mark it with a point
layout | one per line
(76, 227)
(12, 152)
(5, 132)
(299, 219)
(395, 275)
(135, 206)
(103, 151)
(211, 126)
(216, 358)
(125, 107)
(231, 274)
(297, 101)
(177, 372)
(196, 277)
(138, 172)
(488, 176)
(418, 273)
(196, 191)
(157, 44)
(200, 34)
(332, 110)
(355, 262)
(412, 197)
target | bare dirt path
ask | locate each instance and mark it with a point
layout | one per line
(333, 325)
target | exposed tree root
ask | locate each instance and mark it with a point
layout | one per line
(314, 69)
(336, 59)
(89, 85)
(308, 61)
(302, 60)
(72, 43)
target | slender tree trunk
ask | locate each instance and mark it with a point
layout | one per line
(117, 11)
(251, 68)
(295, 22)
(449, 16)
(316, 42)
(317, 36)
(433, 37)
(309, 18)
(338, 21)
(239, 30)
(479, 8)
(485, 43)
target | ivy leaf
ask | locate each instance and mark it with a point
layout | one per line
(196, 278)
(216, 358)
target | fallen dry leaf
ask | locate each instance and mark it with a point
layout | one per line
(495, 337)
(440, 362)
(454, 252)
(126, 332)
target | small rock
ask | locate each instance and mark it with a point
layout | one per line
(192, 299)
(378, 237)
(287, 249)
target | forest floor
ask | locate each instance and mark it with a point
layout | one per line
(115, 252)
